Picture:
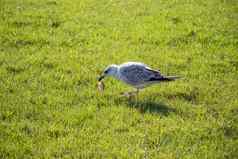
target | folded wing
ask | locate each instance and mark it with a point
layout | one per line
(139, 74)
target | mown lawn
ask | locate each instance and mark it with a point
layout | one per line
(52, 51)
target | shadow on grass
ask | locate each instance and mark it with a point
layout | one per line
(148, 106)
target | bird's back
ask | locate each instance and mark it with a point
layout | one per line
(140, 75)
(135, 74)
(129, 64)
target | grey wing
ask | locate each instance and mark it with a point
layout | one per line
(139, 74)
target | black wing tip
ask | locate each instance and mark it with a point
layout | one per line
(169, 78)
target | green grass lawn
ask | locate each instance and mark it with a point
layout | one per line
(52, 51)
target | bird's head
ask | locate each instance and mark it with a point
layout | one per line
(111, 70)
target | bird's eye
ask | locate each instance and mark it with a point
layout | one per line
(106, 72)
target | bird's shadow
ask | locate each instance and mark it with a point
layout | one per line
(147, 106)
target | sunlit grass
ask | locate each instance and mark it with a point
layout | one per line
(51, 53)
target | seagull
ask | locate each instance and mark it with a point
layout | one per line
(136, 74)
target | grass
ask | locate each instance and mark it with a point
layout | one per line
(52, 51)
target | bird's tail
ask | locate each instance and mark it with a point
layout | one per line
(170, 78)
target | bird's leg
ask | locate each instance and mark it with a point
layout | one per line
(137, 92)
(131, 94)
